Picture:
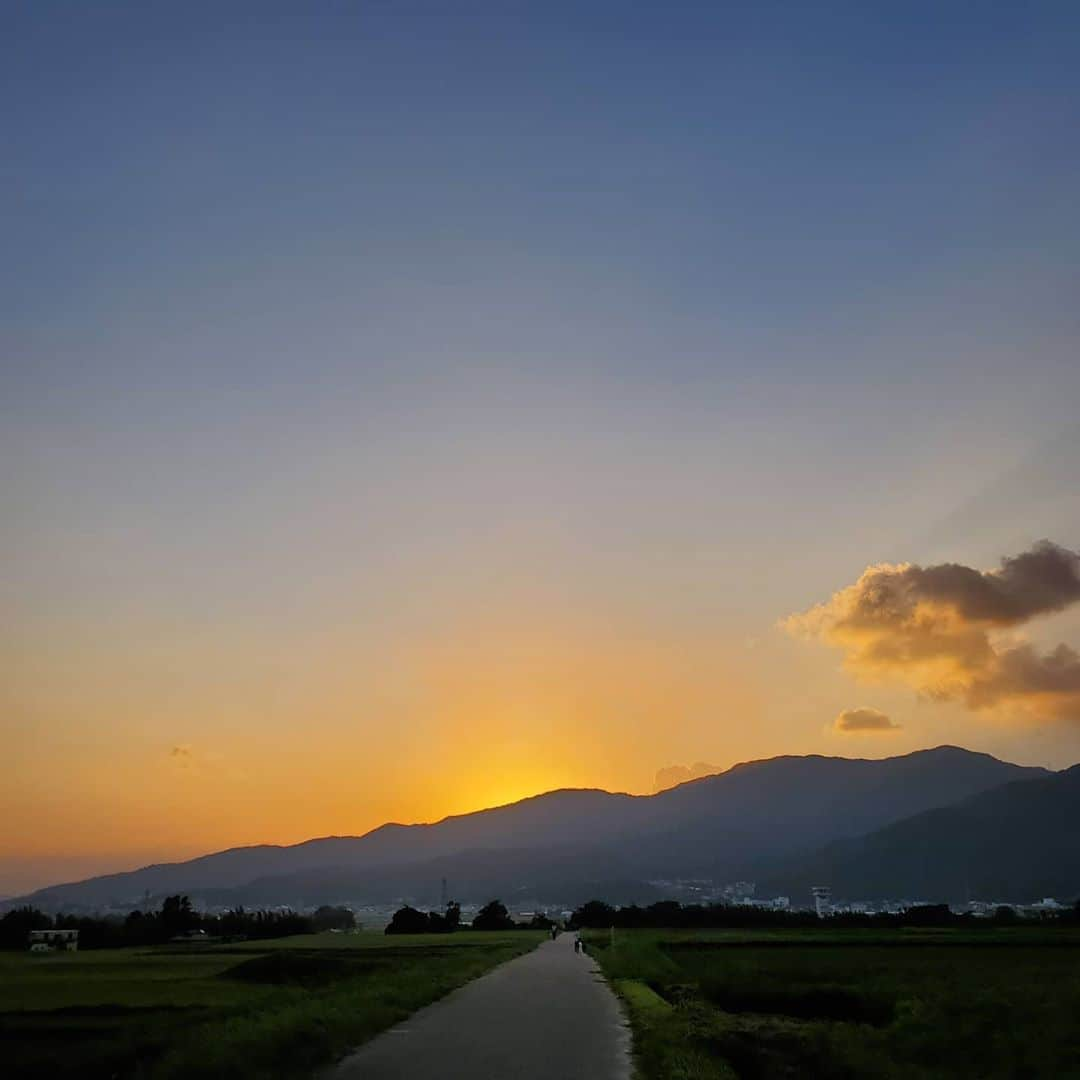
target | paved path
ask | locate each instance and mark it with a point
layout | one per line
(547, 1015)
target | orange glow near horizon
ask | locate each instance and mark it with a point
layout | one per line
(483, 716)
(339, 733)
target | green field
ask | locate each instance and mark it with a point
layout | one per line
(267, 1008)
(912, 1004)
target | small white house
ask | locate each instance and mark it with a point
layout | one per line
(54, 940)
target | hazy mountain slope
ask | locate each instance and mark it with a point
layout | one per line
(587, 816)
(527, 875)
(1017, 842)
(762, 809)
(716, 824)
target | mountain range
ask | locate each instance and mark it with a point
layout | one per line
(935, 823)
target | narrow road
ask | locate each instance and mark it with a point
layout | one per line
(547, 1015)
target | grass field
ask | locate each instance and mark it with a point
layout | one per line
(267, 1008)
(912, 1004)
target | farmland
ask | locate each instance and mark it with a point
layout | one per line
(912, 1004)
(267, 1008)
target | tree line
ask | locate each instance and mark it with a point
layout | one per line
(176, 918)
(669, 914)
(492, 916)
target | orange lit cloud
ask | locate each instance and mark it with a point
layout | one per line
(864, 721)
(937, 629)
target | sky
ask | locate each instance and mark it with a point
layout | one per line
(407, 408)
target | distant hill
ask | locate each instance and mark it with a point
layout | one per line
(728, 824)
(1017, 842)
(516, 875)
(760, 810)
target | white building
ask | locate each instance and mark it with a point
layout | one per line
(54, 940)
(822, 900)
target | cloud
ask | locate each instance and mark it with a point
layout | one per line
(864, 721)
(199, 763)
(938, 629)
(673, 775)
(182, 755)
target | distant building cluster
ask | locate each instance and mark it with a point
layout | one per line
(1046, 906)
(984, 909)
(738, 892)
(744, 894)
(707, 891)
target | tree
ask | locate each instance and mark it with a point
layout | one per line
(333, 918)
(140, 928)
(594, 914)
(177, 916)
(16, 925)
(407, 920)
(452, 918)
(493, 916)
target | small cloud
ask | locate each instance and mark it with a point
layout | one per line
(182, 755)
(207, 764)
(863, 721)
(674, 775)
